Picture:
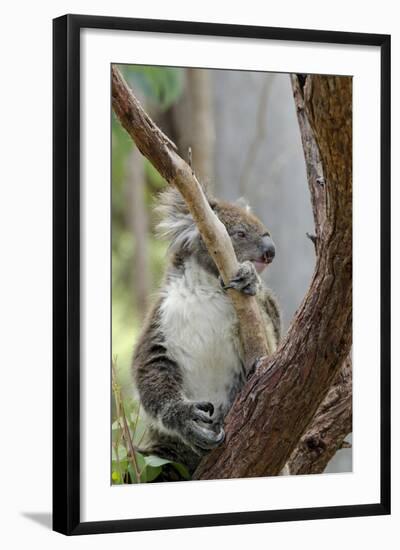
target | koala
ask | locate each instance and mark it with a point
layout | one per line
(188, 362)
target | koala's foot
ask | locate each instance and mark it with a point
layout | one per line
(197, 423)
(246, 280)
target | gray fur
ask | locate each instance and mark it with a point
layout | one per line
(177, 225)
(185, 418)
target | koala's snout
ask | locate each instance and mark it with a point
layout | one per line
(268, 249)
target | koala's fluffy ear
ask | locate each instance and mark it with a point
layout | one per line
(177, 224)
(242, 202)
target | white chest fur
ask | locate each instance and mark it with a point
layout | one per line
(199, 326)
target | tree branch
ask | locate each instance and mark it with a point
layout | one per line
(161, 152)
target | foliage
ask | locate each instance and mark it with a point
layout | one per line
(128, 467)
(160, 85)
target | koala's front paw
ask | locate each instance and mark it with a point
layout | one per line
(246, 280)
(198, 425)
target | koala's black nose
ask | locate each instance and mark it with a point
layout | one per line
(268, 249)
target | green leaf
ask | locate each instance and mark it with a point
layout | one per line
(162, 85)
(182, 470)
(122, 453)
(139, 428)
(118, 471)
(155, 461)
(115, 425)
(150, 473)
(116, 478)
(140, 461)
(142, 469)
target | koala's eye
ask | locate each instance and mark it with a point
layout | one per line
(241, 234)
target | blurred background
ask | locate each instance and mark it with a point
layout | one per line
(242, 129)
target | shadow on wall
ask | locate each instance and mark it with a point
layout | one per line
(45, 519)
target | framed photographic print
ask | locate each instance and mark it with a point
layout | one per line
(221, 274)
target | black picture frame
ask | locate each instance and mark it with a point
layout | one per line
(66, 273)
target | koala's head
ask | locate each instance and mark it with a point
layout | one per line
(250, 238)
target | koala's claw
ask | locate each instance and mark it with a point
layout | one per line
(204, 430)
(201, 416)
(198, 423)
(203, 411)
(246, 280)
(204, 438)
(205, 406)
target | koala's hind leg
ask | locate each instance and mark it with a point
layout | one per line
(173, 449)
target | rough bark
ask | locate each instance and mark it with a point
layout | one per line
(328, 429)
(278, 403)
(161, 152)
(315, 173)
